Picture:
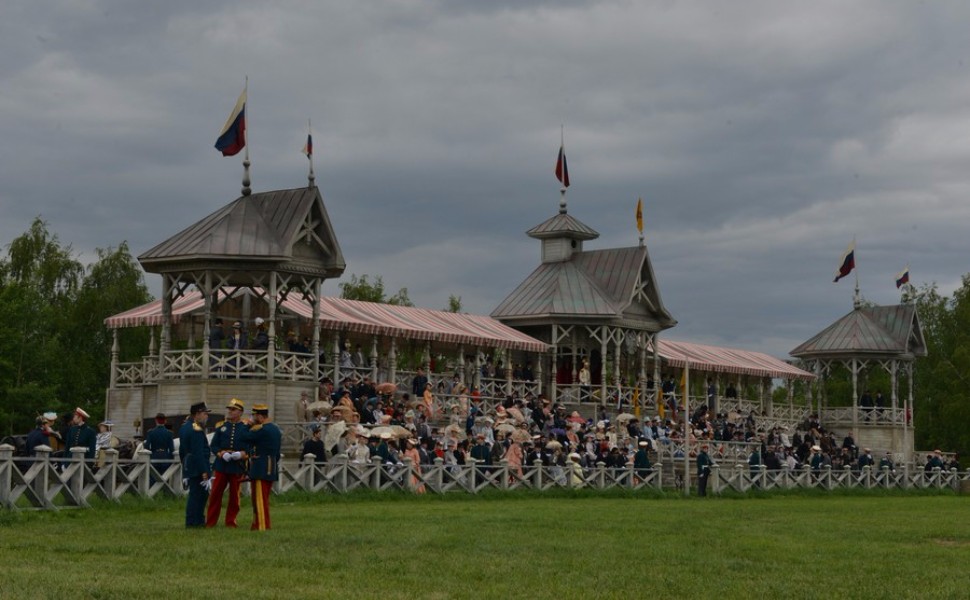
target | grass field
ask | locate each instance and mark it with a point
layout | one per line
(572, 545)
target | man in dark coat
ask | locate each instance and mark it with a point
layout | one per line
(194, 455)
(704, 464)
(161, 443)
(314, 446)
(38, 436)
(264, 439)
(641, 462)
(81, 435)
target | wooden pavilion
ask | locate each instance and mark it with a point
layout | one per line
(889, 338)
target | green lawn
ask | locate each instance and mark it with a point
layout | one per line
(574, 545)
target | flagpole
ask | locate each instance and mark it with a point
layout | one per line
(686, 428)
(246, 190)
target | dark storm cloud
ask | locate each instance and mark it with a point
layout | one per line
(762, 136)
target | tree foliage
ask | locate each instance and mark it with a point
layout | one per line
(363, 289)
(454, 304)
(54, 347)
(942, 395)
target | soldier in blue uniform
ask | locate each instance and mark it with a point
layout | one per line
(161, 443)
(704, 464)
(81, 435)
(641, 461)
(194, 455)
(229, 467)
(264, 439)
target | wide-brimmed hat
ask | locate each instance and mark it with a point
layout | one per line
(817, 448)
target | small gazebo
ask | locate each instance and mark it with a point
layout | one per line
(870, 337)
(271, 245)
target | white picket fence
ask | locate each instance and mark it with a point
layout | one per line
(50, 483)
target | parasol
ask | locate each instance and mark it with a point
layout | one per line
(334, 431)
(320, 406)
(521, 435)
(387, 388)
(515, 414)
(454, 431)
(380, 431)
(505, 427)
(401, 433)
(575, 417)
(624, 417)
(553, 445)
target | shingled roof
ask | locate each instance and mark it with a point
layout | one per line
(874, 330)
(563, 225)
(282, 229)
(597, 283)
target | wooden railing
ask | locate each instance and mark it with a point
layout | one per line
(48, 483)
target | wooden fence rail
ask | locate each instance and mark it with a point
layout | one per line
(46, 482)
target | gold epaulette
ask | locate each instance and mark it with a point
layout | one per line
(220, 424)
(255, 427)
(197, 427)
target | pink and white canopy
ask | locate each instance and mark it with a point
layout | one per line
(715, 359)
(369, 318)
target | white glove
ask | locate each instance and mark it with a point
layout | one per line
(185, 484)
(207, 484)
(237, 455)
(227, 456)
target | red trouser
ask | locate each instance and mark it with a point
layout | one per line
(260, 492)
(219, 482)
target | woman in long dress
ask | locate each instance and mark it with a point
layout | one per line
(514, 456)
(411, 451)
(429, 401)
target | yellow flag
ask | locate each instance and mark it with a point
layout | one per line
(683, 382)
(640, 215)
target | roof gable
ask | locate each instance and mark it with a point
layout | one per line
(597, 283)
(265, 227)
(886, 330)
(563, 225)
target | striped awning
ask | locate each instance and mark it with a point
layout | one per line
(148, 315)
(371, 318)
(367, 318)
(715, 359)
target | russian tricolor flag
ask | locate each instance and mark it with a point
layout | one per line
(902, 278)
(308, 147)
(562, 173)
(847, 263)
(233, 136)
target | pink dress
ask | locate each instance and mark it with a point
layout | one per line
(514, 457)
(415, 457)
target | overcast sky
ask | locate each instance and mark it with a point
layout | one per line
(762, 137)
